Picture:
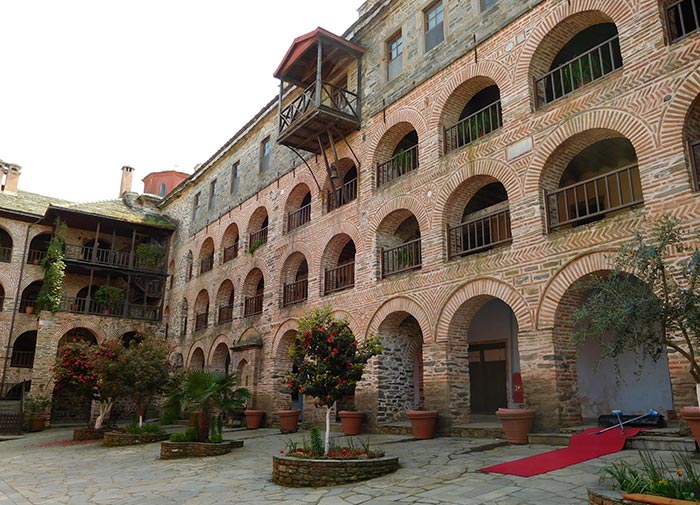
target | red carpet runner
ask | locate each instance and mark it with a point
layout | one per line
(582, 447)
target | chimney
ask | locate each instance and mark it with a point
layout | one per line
(127, 174)
(9, 176)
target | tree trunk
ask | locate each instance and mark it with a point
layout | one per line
(140, 411)
(204, 422)
(105, 409)
(327, 442)
(697, 393)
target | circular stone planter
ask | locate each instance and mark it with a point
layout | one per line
(302, 472)
(119, 439)
(80, 434)
(176, 450)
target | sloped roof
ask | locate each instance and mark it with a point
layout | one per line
(26, 203)
(123, 209)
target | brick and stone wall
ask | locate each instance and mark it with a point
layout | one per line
(302, 472)
(175, 450)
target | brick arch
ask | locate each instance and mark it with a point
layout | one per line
(393, 122)
(223, 293)
(193, 349)
(338, 229)
(249, 334)
(260, 265)
(623, 123)
(617, 11)
(100, 334)
(673, 117)
(227, 238)
(256, 220)
(221, 339)
(483, 71)
(401, 202)
(401, 304)
(343, 166)
(290, 267)
(296, 195)
(352, 322)
(564, 278)
(480, 288)
(251, 281)
(288, 325)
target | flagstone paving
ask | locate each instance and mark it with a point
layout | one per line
(37, 469)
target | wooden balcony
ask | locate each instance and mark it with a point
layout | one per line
(479, 234)
(206, 264)
(230, 252)
(343, 195)
(339, 278)
(225, 314)
(22, 359)
(35, 256)
(295, 292)
(590, 200)
(397, 166)
(299, 217)
(201, 321)
(253, 305)
(80, 254)
(473, 127)
(92, 307)
(258, 237)
(401, 258)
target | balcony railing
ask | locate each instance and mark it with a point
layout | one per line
(683, 18)
(590, 200)
(342, 195)
(339, 278)
(35, 256)
(592, 65)
(231, 252)
(201, 320)
(22, 359)
(295, 292)
(90, 306)
(24, 303)
(473, 127)
(124, 259)
(331, 97)
(5, 254)
(299, 217)
(258, 237)
(253, 305)
(400, 164)
(695, 161)
(479, 234)
(206, 264)
(402, 258)
(225, 313)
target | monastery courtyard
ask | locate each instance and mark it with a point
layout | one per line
(40, 469)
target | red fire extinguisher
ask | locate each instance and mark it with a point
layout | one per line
(518, 395)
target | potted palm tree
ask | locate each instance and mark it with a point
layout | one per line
(110, 298)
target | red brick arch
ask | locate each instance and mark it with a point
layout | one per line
(627, 125)
(477, 288)
(393, 119)
(100, 335)
(619, 11)
(352, 322)
(564, 278)
(288, 325)
(674, 116)
(193, 349)
(221, 339)
(408, 202)
(317, 263)
(401, 304)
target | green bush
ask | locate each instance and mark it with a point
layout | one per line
(190, 435)
(135, 429)
(216, 438)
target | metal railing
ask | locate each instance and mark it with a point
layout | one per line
(253, 305)
(400, 164)
(342, 195)
(5, 254)
(478, 234)
(259, 237)
(22, 359)
(35, 256)
(299, 217)
(230, 252)
(206, 264)
(401, 258)
(590, 66)
(590, 200)
(329, 96)
(295, 292)
(694, 147)
(339, 278)
(200, 321)
(683, 18)
(473, 127)
(225, 313)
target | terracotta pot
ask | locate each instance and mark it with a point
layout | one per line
(691, 415)
(352, 421)
(253, 418)
(289, 420)
(516, 423)
(29, 309)
(37, 423)
(422, 423)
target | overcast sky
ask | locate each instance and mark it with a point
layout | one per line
(89, 86)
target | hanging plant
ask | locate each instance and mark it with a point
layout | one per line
(54, 267)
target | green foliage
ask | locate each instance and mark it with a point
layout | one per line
(54, 267)
(651, 299)
(316, 440)
(208, 393)
(654, 477)
(109, 295)
(327, 359)
(36, 406)
(145, 370)
(190, 435)
(135, 429)
(316, 450)
(149, 255)
(93, 369)
(216, 438)
(254, 246)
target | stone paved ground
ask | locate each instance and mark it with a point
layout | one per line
(440, 471)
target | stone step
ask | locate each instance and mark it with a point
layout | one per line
(649, 441)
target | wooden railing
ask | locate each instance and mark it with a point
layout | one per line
(90, 306)
(474, 126)
(342, 195)
(22, 359)
(200, 321)
(295, 292)
(400, 164)
(230, 252)
(339, 278)
(299, 217)
(225, 313)
(5, 254)
(592, 65)
(695, 161)
(478, 234)
(259, 237)
(253, 305)
(206, 264)
(401, 258)
(35, 256)
(683, 18)
(328, 96)
(90, 254)
(590, 200)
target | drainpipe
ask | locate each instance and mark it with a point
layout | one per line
(16, 307)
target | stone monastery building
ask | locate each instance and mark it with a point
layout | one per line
(446, 174)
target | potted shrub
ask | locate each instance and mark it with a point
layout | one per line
(35, 411)
(422, 423)
(109, 297)
(327, 360)
(650, 301)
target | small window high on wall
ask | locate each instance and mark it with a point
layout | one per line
(434, 26)
(394, 48)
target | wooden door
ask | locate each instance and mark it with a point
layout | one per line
(488, 373)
